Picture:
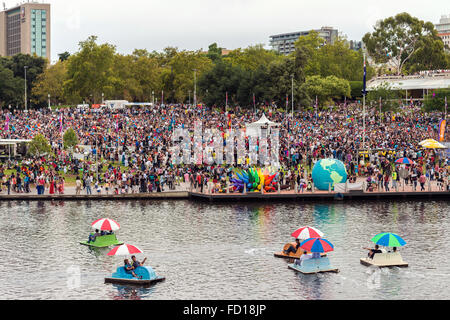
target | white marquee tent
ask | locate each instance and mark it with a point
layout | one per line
(256, 128)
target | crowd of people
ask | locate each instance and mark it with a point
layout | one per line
(129, 150)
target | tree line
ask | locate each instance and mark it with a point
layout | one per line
(315, 71)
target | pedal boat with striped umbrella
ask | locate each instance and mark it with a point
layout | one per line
(384, 258)
(108, 227)
(143, 276)
(315, 263)
(301, 234)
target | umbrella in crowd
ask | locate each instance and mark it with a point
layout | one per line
(404, 161)
(433, 145)
(426, 141)
(388, 240)
(124, 250)
(306, 233)
(106, 224)
(317, 245)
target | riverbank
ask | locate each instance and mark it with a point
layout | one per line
(236, 197)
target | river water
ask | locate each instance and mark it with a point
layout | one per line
(217, 251)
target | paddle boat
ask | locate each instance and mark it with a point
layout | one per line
(106, 240)
(143, 276)
(302, 233)
(386, 258)
(146, 276)
(316, 263)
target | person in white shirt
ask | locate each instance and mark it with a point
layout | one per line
(304, 256)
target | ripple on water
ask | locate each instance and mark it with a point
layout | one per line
(208, 251)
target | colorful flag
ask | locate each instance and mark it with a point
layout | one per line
(364, 92)
(60, 122)
(442, 127)
(7, 123)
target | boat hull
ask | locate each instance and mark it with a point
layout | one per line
(103, 242)
(135, 282)
(311, 266)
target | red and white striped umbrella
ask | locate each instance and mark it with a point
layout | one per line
(106, 224)
(124, 250)
(306, 233)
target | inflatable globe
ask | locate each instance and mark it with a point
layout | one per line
(328, 171)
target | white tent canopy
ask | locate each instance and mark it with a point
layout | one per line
(254, 129)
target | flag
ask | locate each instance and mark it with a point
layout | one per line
(364, 92)
(442, 127)
(60, 122)
(254, 101)
(7, 123)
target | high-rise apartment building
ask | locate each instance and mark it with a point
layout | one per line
(443, 29)
(284, 43)
(26, 29)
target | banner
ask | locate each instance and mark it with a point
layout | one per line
(442, 127)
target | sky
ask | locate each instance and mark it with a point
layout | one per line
(195, 24)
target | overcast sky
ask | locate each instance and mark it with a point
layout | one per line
(195, 24)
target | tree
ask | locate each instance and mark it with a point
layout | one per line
(395, 40)
(327, 88)
(51, 81)
(90, 71)
(39, 146)
(223, 78)
(11, 88)
(70, 138)
(435, 100)
(64, 56)
(252, 57)
(389, 97)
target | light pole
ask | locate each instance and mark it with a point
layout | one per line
(49, 108)
(292, 78)
(103, 97)
(189, 97)
(25, 67)
(153, 97)
(195, 87)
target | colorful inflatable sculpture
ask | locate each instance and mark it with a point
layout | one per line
(254, 180)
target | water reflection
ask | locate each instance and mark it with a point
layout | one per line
(131, 293)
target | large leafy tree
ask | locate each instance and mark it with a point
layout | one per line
(11, 88)
(252, 57)
(51, 82)
(90, 71)
(395, 40)
(326, 89)
(336, 59)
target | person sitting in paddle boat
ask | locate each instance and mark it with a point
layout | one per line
(372, 252)
(305, 256)
(292, 248)
(129, 268)
(137, 264)
(92, 237)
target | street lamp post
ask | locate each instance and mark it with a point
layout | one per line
(103, 97)
(25, 67)
(195, 87)
(189, 97)
(292, 78)
(49, 108)
(153, 97)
